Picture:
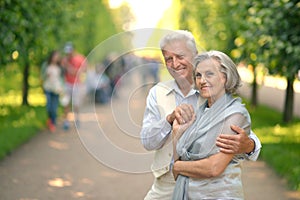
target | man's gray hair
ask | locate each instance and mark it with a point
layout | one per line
(180, 35)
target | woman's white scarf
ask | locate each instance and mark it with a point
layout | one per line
(196, 144)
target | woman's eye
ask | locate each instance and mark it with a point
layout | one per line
(209, 74)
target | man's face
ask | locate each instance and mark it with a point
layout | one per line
(178, 59)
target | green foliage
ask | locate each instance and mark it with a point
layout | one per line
(34, 29)
(10, 93)
(280, 143)
(30, 30)
(210, 22)
(272, 38)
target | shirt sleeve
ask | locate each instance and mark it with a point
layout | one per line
(155, 129)
(242, 122)
(254, 155)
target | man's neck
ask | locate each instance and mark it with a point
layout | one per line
(185, 87)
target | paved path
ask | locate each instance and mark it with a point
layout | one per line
(104, 159)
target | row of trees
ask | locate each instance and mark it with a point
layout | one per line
(30, 30)
(259, 33)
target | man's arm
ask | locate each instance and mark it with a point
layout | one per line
(155, 130)
(240, 143)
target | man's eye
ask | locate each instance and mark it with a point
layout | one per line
(168, 59)
(180, 57)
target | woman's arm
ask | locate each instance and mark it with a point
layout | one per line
(177, 131)
(205, 168)
(213, 165)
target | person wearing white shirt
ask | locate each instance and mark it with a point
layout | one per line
(177, 99)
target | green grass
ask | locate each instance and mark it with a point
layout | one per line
(18, 124)
(280, 143)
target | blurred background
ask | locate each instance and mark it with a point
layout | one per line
(263, 37)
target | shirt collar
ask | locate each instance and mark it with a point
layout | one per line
(172, 86)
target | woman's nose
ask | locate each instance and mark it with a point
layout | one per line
(202, 79)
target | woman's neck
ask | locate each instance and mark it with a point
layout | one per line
(211, 100)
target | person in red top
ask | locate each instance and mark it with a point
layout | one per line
(74, 67)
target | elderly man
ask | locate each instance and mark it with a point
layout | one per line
(177, 99)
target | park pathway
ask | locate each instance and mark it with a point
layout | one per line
(103, 158)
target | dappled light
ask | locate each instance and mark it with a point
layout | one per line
(59, 182)
(58, 145)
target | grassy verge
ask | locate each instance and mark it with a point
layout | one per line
(281, 143)
(19, 124)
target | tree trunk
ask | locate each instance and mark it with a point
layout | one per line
(289, 101)
(25, 88)
(254, 90)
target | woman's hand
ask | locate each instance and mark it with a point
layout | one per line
(178, 129)
(177, 132)
(182, 113)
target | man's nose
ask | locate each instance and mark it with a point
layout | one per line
(176, 62)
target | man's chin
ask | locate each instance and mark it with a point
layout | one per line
(181, 78)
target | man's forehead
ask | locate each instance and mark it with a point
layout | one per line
(167, 53)
(177, 51)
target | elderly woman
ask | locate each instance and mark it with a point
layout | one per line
(218, 175)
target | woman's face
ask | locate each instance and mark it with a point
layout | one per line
(56, 57)
(210, 80)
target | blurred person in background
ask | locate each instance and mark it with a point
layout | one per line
(74, 65)
(98, 84)
(114, 68)
(53, 86)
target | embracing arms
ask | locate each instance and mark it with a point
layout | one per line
(210, 166)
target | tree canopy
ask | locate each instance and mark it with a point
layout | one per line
(29, 31)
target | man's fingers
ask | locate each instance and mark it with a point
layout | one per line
(187, 112)
(237, 129)
(184, 113)
(226, 137)
(226, 144)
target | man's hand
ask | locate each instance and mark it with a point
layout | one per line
(182, 113)
(235, 144)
